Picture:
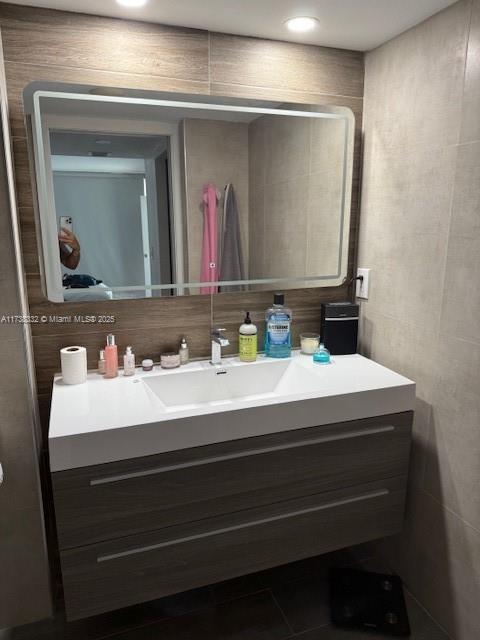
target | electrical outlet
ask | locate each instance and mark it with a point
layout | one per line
(363, 285)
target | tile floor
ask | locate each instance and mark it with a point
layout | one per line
(284, 603)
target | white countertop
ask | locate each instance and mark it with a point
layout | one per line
(107, 420)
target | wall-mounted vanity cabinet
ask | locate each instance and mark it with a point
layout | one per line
(226, 489)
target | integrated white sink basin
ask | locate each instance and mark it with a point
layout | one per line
(268, 379)
(154, 412)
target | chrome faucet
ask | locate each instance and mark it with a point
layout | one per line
(218, 341)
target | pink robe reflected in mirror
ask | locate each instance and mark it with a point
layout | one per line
(209, 262)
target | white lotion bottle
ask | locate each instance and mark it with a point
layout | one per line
(129, 362)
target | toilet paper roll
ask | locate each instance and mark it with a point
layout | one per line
(74, 365)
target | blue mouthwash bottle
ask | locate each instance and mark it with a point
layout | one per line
(278, 336)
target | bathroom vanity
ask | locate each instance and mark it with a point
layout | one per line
(171, 480)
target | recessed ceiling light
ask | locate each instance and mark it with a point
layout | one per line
(132, 3)
(301, 24)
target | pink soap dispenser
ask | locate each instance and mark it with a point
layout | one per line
(111, 357)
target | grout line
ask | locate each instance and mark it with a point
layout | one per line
(255, 592)
(196, 611)
(454, 172)
(102, 332)
(461, 101)
(467, 50)
(420, 605)
(107, 72)
(306, 632)
(285, 619)
(466, 143)
(209, 63)
(260, 87)
(424, 458)
(450, 510)
(468, 341)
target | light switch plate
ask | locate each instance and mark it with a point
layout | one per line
(363, 285)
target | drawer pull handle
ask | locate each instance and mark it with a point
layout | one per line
(244, 525)
(242, 454)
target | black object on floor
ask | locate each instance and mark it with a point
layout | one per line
(368, 601)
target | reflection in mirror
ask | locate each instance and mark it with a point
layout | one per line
(279, 188)
(113, 210)
(151, 197)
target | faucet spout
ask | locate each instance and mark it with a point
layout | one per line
(218, 342)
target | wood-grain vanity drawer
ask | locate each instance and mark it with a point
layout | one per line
(110, 575)
(128, 497)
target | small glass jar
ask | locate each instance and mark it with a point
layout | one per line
(170, 360)
(322, 355)
(309, 343)
(147, 364)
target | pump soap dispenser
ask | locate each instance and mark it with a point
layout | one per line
(247, 340)
(129, 362)
(111, 357)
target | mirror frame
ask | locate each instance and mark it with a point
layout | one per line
(44, 179)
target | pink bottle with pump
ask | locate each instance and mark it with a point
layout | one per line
(111, 357)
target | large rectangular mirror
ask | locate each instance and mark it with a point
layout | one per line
(142, 196)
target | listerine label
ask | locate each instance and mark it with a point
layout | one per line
(278, 328)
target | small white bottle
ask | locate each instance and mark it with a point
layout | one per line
(129, 362)
(183, 352)
(101, 362)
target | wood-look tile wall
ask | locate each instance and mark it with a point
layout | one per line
(46, 45)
